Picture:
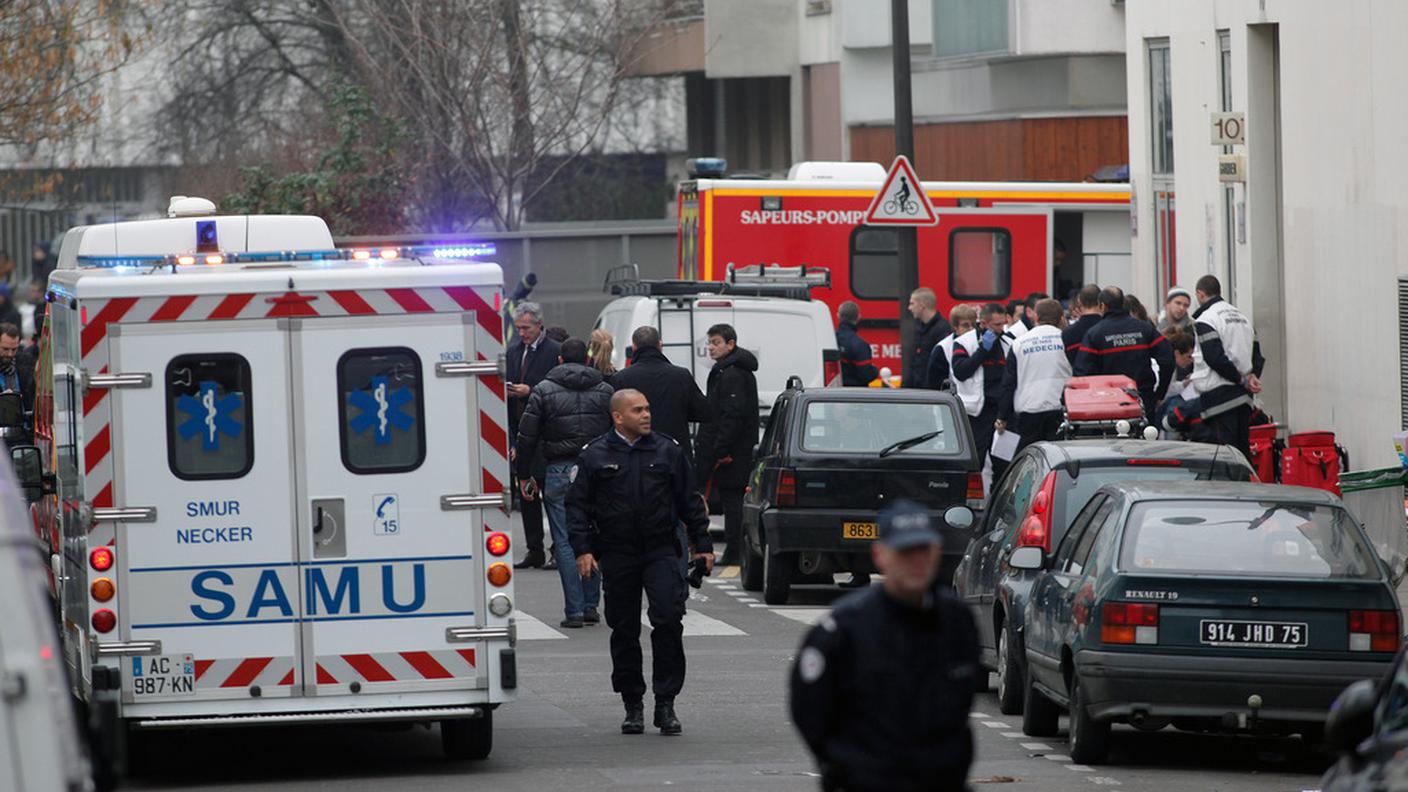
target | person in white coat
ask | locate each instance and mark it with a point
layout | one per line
(1035, 378)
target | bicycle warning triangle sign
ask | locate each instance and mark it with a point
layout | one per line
(901, 201)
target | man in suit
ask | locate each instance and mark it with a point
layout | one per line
(530, 357)
(674, 396)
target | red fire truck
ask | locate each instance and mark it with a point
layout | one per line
(995, 241)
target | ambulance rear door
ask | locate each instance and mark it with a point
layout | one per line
(386, 434)
(992, 254)
(202, 501)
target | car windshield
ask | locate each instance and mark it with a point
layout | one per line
(1092, 478)
(1245, 539)
(869, 427)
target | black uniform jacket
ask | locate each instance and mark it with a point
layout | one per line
(674, 396)
(881, 693)
(856, 368)
(629, 498)
(568, 409)
(733, 396)
(926, 336)
(1122, 344)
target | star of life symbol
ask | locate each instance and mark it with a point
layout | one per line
(381, 410)
(210, 416)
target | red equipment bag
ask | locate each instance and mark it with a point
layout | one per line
(1102, 398)
(1311, 459)
(1263, 447)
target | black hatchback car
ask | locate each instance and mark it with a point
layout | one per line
(1044, 488)
(1211, 606)
(830, 460)
(1368, 727)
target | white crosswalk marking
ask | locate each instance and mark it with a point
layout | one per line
(803, 615)
(697, 624)
(530, 628)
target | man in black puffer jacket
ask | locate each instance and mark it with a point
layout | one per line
(568, 409)
(725, 452)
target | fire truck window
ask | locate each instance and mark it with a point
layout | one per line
(381, 410)
(208, 416)
(875, 263)
(980, 263)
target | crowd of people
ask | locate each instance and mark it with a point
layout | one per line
(607, 454)
(1197, 372)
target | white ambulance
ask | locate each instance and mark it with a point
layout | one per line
(276, 484)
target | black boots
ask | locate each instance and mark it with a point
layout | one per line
(665, 718)
(635, 718)
(531, 561)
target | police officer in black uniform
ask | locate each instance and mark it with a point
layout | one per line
(882, 687)
(1121, 344)
(630, 490)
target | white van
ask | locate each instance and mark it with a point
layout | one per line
(41, 746)
(791, 334)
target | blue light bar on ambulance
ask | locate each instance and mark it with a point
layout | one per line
(463, 251)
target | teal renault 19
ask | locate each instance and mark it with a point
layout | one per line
(1211, 606)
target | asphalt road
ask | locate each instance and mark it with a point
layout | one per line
(562, 733)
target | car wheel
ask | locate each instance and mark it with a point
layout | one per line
(777, 576)
(1040, 717)
(1090, 739)
(468, 738)
(751, 576)
(1010, 677)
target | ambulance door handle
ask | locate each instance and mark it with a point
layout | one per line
(329, 534)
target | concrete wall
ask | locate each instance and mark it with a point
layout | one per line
(757, 38)
(1066, 26)
(1333, 240)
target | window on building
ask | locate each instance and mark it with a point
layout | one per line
(875, 263)
(979, 263)
(209, 432)
(1161, 106)
(969, 27)
(381, 409)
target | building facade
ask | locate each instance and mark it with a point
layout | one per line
(1309, 238)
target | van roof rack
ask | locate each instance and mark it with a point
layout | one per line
(752, 281)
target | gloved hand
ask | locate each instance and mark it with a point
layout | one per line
(989, 338)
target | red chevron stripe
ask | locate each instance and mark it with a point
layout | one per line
(231, 306)
(487, 317)
(246, 672)
(288, 679)
(468, 654)
(493, 434)
(172, 309)
(324, 678)
(202, 666)
(352, 302)
(426, 665)
(492, 484)
(94, 396)
(97, 449)
(97, 329)
(409, 300)
(104, 496)
(369, 668)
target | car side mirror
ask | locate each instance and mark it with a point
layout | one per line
(28, 462)
(959, 517)
(1027, 558)
(1351, 717)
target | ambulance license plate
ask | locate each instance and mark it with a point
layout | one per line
(163, 675)
(859, 530)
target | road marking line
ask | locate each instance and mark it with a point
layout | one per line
(1080, 768)
(697, 624)
(1014, 735)
(1059, 758)
(978, 715)
(530, 628)
(996, 725)
(1037, 746)
(735, 593)
(803, 615)
(1103, 781)
(758, 605)
(730, 572)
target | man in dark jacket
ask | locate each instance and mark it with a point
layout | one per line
(568, 409)
(930, 328)
(882, 687)
(1089, 312)
(1122, 344)
(981, 353)
(856, 368)
(725, 450)
(674, 396)
(632, 490)
(529, 358)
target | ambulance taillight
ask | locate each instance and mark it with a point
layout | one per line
(104, 620)
(101, 559)
(499, 574)
(102, 589)
(497, 544)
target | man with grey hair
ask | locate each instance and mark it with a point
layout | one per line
(531, 355)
